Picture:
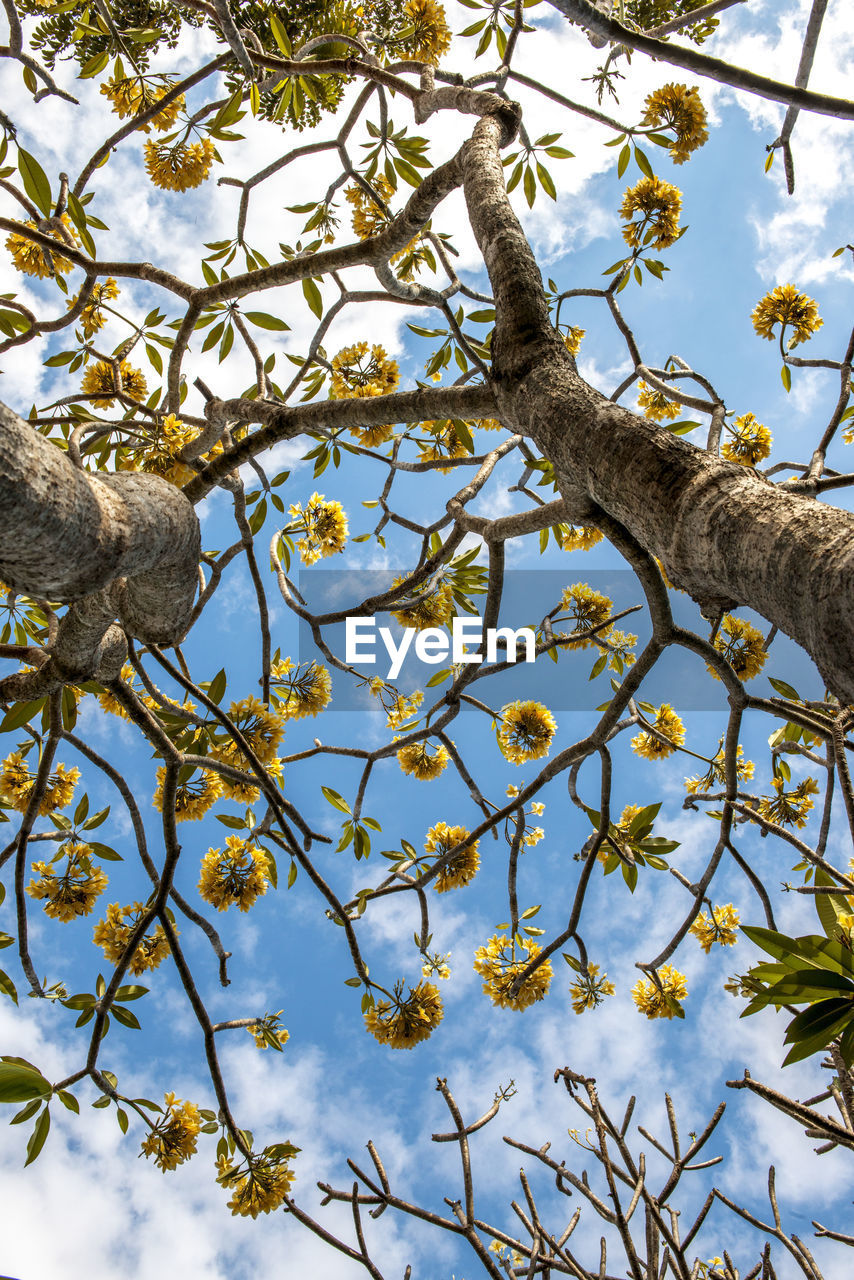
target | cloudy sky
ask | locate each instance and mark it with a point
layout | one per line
(89, 1206)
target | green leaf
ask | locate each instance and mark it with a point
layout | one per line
(218, 686)
(280, 35)
(38, 1137)
(312, 296)
(784, 690)
(68, 1100)
(20, 1083)
(264, 321)
(786, 375)
(35, 181)
(337, 801)
(643, 163)
(623, 160)
(7, 986)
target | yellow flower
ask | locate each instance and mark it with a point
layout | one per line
(716, 773)
(17, 783)
(356, 375)
(666, 723)
(30, 259)
(402, 1022)
(421, 762)
(112, 935)
(239, 875)
(498, 965)
(156, 449)
(445, 444)
(589, 990)
(193, 797)
(72, 892)
(489, 424)
(402, 709)
(262, 728)
(178, 166)
(92, 318)
(659, 204)
(618, 646)
(587, 608)
(742, 645)
(261, 1184)
(512, 791)
(131, 95)
(305, 690)
(435, 609)
(659, 1002)
(581, 538)
(268, 1031)
(721, 926)
(373, 437)
(572, 340)
(463, 866)
(526, 731)
(533, 836)
(108, 702)
(655, 404)
(99, 381)
(679, 108)
(785, 306)
(369, 219)
(172, 1139)
(750, 443)
(538, 807)
(430, 36)
(324, 525)
(789, 808)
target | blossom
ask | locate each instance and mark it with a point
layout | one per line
(17, 784)
(112, 935)
(357, 375)
(268, 1031)
(572, 339)
(526, 731)
(716, 772)
(240, 875)
(193, 797)
(370, 218)
(429, 35)
(587, 608)
(418, 759)
(261, 1183)
(156, 449)
(656, 405)
(108, 702)
(581, 538)
(131, 95)
(589, 990)
(99, 381)
(533, 836)
(679, 108)
(373, 437)
(32, 260)
(402, 709)
(618, 646)
(92, 318)
(721, 926)
(172, 1139)
(180, 165)
(659, 204)
(443, 443)
(742, 645)
(403, 1022)
(262, 729)
(463, 866)
(661, 1001)
(73, 891)
(669, 726)
(434, 608)
(324, 526)
(789, 808)
(786, 306)
(499, 964)
(306, 690)
(750, 443)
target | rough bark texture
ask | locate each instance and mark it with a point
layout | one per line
(724, 533)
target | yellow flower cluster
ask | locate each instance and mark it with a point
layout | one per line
(92, 318)
(99, 381)
(193, 797)
(742, 645)
(305, 690)
(656, 405)
(108, 702)
(262, 728)
(435, 609)
(112, 935)
(404, 1022)
(679, 108)
(173, 1139)
(402, 709)
(130, 95)
(526, 731)
(587, 608)
(258, 1186)
(323, 525)
(499, 963)
(721, 926)
(658, 204)
(73, 891)
(373, 437)
(572, 339)
(669, 726)
(156, 450)
(589, 990)
(789, 808)
(443, 443)
(581, 538)
(34, 261)
(357, 375)
(751, 441)
(424, 764)
(430, 35)
(238, 875)
(463, 866)
(716, 772)
(369, 219)
(786, 306)
(270, 1025)
(653, 1000)
(180, 165)
(17, 783)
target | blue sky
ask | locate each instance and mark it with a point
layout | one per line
(334, 1087)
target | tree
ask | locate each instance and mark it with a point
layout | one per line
(101, 553)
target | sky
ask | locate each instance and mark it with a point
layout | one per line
(333, 1089)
